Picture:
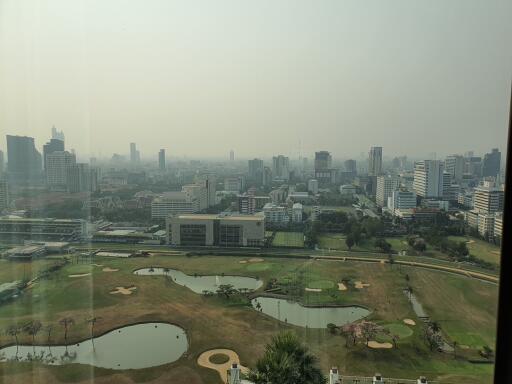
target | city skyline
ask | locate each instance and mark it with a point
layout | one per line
(309, 78)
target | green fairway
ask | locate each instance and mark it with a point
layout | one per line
(289, 239)
(480, 249)
(321, 284)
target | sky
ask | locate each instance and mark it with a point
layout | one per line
(261, 77)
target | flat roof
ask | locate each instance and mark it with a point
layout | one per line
(219, 217)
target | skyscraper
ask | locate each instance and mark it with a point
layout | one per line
(375, 161)
(429, 178)
(386, 185)
(53, 145)
(454, 165)
(351, 166)
(492, 163)
(57, 135)
(161, 159)
(134, 154)
(24, 161)
(4, 194)
(281, 167)
(57, 164)
(2, 163)
(232, 155)
(323, 161)
(256, 170)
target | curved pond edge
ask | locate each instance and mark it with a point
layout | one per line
(290, 299)
(199, 274)
(103, 334)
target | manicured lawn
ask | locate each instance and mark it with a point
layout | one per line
(480, 249)
(463, 307)
(289, 239)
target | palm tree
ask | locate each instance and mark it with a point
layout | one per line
(93, 321)
(286, 361)
(66, 322)
(455, 345)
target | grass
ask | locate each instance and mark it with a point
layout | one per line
(219, 358)
(465, 309)
(289, 239)
(480, 249)
(322, 284)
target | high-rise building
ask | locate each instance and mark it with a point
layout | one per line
(385, 187)
(24, 161)
(134, 154)
(82, 178)
(351, 166)
(256, 170)
(231, 155)
(4, 194)
(429, 178)
(57, 135)
(161, 159)
(323, 160)
(267, 176)
(473, 166)
(281, 167)
(491, 163)
(454, 165)
(56, 169)
(210, 183)
(488, 199)
(375, 161)
(197, 191)
(2, 163)
(53, 145)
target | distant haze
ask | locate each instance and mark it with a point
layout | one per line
(202, 77)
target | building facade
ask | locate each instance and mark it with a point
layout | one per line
(19, 229)
(57, 164)
(375, 161)
(385, 187)
(216, 230)
(428, 178)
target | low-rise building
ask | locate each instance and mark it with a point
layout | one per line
(313, 186)
(17, 229)
(401, 199)
(486, 225)
(297, 213)
(348, 190)
(25, 252)
(466, 199)
(276, 214)
(498, 226)
(216, 230)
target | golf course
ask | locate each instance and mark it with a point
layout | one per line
(108, 290)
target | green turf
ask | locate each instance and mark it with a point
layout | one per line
(257, 267)
(480, 249)
(321, 284)
(401, 330)
(289, 239)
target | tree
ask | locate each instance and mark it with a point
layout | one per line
(13, 331)
(350, 331)
(286, 361)
(383, 245)
(369, 330)
(33, 329)
(226, 290)
(350, 242)
(332, 328)
(66, 322)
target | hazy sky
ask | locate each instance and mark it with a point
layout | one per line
(202, 77)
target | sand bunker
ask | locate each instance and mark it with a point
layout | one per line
(377, 345)
(123, 290)
(360, 285)
(409, 322)
(80, 275)
(256, 260)
(470, 241)
(97, 265)
(243, 261)
(204, 361)
(342, 287)
(383, 261)
(107, 269)
(313, 290)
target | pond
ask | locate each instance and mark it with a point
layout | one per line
(198, 283)
(312, 317)
(132, 347)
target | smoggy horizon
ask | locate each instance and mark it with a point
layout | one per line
(262, 78)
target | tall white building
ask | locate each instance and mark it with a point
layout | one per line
(173, 203)
(276, 214)
(375, 161)
(199, 192)
(297, 213)
(488, 199)
(429, 180)
(281, 167)
(385, 187)
(57, 164)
